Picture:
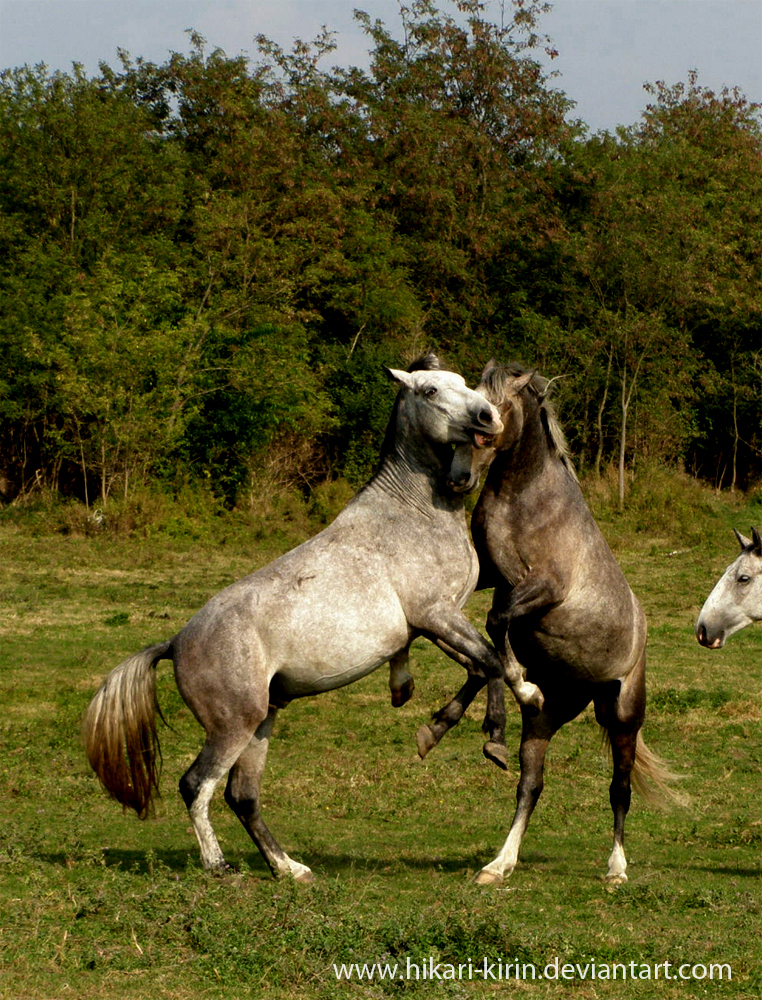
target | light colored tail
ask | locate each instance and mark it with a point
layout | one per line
(653, 780)
(651, 777)
(119, 730)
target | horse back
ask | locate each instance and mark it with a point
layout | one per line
(331, 610)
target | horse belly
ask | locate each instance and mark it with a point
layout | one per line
(581, 643)
(321, 645)
(333, 657)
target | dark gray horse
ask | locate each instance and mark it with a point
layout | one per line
(736, 599)
(561, 605)
(395, 564)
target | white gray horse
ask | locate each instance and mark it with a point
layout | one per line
(397, 563)
(736, 600)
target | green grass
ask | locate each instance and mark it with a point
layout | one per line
(96, 904)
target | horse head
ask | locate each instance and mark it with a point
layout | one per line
(439, 406)
(736, 600)
(505, 390)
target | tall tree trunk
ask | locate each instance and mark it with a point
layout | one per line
(623, 440)
(735, 433)
(627, 392)
(599, 422)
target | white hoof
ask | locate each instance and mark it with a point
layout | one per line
(299, 873)
(530, 694)
(487, 877)
(615, 878)
(305, 877)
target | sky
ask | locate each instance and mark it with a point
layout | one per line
(607, 48)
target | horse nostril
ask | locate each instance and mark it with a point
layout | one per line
(702, 634)
(485, 417)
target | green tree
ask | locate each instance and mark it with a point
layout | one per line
(460, 120)
(80, 174)
(657, 228)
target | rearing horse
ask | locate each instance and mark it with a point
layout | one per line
(561, 606)
(395, 564)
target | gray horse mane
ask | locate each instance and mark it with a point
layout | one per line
(427, 363)
(495, 381)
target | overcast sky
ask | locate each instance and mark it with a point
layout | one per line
(607, 48)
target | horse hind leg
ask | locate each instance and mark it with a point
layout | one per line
(242, 795)
(623, 750)
(197, 787)
(537, 730)
(401, 683)
(621, 711)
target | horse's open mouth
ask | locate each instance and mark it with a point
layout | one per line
(482, 440)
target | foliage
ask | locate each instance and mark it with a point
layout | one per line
(205, 264)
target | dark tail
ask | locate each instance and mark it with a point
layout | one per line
(120, 730)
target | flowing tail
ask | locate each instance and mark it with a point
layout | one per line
(651, 777)
(119, 730)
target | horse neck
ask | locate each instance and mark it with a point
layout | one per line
(524, 462)
(413, 477)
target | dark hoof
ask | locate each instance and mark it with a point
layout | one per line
(497, 753)
(224, 870)
(425, 740)
(402, 695)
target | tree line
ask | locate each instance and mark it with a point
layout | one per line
(205, 264)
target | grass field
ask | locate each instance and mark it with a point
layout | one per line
(96, 904)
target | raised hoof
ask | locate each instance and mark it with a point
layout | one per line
(486, 877)
(402, 695)
(497, 753)
(425, 740)
(537, 701)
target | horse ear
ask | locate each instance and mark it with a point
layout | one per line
(757, 542)
(520, 382)
(400, 377)
(743, 541)
(490, 366)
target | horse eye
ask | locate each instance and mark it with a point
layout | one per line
(430, 391)
(743, 578)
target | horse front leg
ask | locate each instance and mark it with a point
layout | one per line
(448, 627)
(530, 595)
(525, 692)
(450, 714)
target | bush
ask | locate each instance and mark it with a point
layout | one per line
(663, 502)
